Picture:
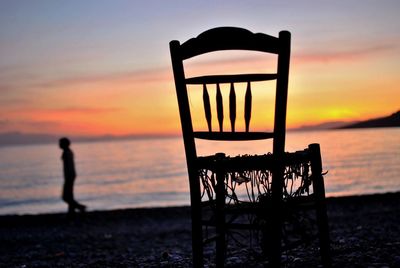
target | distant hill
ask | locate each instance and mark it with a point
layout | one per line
(388, 121)
(322, 126)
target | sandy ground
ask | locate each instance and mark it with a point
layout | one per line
(365, 232)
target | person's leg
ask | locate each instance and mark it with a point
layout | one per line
(68, 196)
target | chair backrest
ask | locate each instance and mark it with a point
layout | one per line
(231, 38)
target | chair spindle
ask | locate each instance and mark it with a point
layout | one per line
(232, 106)
(247, 106)
(220, 108)
(207, 107)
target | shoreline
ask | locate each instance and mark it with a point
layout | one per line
(354, 197)
(365, 232)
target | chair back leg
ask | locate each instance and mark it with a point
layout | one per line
(275, 245)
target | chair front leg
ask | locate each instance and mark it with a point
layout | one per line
(319, 191)
(275, 245)
(196, 213)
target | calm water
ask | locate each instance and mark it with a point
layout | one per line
(152, 172)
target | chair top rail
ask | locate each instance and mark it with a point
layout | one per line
(228, 38)
(233, 136)
(234, 78)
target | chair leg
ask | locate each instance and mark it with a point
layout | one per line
(197, 239)
(322, 217)
(220, 219)
(322, 221)
(196, 213)
(220, 248)
(275, 247)
(323, 231)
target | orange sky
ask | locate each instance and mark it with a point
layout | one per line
(89, 80)
(145, 102)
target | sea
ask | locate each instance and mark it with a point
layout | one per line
(151, 172)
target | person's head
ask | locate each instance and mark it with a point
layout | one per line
(64, 143)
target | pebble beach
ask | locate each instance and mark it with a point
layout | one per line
(365, 232)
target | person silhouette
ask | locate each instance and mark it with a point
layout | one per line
(69, 178)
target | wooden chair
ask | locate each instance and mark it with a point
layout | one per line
(214, 179)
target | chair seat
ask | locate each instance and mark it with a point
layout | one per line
(250, 162)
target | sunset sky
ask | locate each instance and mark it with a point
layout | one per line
(103, 67)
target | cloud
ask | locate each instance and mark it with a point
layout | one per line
(22, 83)
(13, 79)
(323, 55)
(329, 56)
(14, 101)
(78, 110)
(139, 76)
(11, 125)
(35, 112)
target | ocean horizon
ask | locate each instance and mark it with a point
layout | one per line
(151, 172)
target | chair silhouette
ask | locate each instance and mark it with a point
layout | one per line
(214, 179)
